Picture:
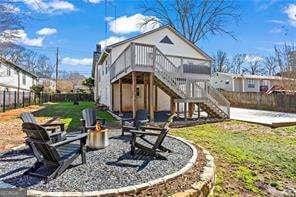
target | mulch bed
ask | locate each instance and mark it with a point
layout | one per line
(178, 184)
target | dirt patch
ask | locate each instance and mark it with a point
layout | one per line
(10, 127)
(14, 113)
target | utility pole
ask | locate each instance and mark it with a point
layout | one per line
(57, 68)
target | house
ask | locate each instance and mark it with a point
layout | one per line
(159, 70)
(49, 84)
(245, 83)
(14, 77)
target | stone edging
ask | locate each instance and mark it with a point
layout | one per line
(127, 189)
(205, 185)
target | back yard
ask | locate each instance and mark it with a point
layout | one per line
(250, 159)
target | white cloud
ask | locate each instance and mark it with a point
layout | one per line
(77, 62)
(277, 22)
(11, 8)
(111, 40)
(133, 23)
(50, 6)
(253, 58)
(21, 37)
(46, 31)
(276, 30)
(94, 1)
(290, 10)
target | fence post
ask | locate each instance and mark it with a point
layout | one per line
(3, 101)
(23, 98)
(15, 99)
(29, 98)
(40, 98)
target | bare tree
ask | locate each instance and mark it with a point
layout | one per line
(254, 67)
(221, 62)
(237, 63)
(11, 20)
(282, 55)
(28, 59)
(270, 65)
(195, 19)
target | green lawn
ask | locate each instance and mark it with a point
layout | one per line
(70, 114)
(250, 159)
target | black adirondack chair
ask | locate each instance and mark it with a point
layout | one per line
(56, 157)
(153, 145)
(54, 135)
(141, 119)
(28, 117)
(90, 119)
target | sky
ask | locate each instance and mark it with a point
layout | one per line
(76, 26)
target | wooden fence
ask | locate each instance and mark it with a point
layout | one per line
(254, 100)
(15, 99)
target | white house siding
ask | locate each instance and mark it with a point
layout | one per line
(104, 86)
(10, 82)
(179, 48)
(222, 81)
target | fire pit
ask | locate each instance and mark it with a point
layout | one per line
(97, 138)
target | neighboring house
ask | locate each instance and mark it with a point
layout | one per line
(15, 78)
(48, 84)
(245, 83)
(159, 70)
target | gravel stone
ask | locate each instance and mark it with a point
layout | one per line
(109, 168)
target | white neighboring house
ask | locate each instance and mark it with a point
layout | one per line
(15, 78)
(244, 83)
(156, 71)
(48, 84)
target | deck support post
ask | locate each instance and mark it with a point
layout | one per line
(112, 97)
(185, 111)
(145, 90)
(134, 87)
(155, 98)
(191, 109)
(198, 110)
(173, 106)
(120, 96)
(151, 112)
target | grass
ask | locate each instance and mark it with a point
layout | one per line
(249, 158)
(70, 114)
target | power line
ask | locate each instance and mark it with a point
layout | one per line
(57, 67)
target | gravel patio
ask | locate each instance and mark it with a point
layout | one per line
(109, 168)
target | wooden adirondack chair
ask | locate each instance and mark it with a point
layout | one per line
(90, 119)
(56, 157)
(28, 117)
(139, 139)
(141, 119)
(55, 136)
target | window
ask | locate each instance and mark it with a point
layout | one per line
(8, 72)
(251, 83)
(138, 91)
(166, 40)
(24, 79)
